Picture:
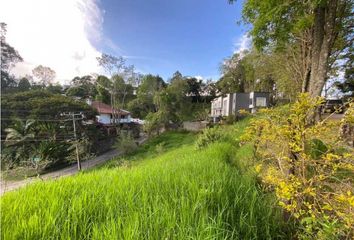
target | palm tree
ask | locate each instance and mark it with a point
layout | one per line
(17, 141)
(20, 132)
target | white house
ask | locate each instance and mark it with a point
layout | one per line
(106, 113)
(232, 103)
(216, 107)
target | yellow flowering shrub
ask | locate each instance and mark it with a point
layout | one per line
(308, 165)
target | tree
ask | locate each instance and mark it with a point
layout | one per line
(9, 57)
(155, 122)
(111, 64)
(24, 85)
(122, 90)
(116, 68)
(347, 86)
(144, 103)
(103, 88)
(83, 87)
(194, 88)
(39, 104)
(56, 89)
(17, 141)
(172, 103)
(7, 81)
(233, 75)
(46, 142)
(209, 88)
(323, 30)
(150, 84)
(45, 74)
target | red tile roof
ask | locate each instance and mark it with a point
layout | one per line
(107, 109)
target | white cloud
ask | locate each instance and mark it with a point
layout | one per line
(198, 77)
(243, 43)
(56, 33)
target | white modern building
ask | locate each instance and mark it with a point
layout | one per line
(232, 103)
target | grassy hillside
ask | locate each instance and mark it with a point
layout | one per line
(168, 192)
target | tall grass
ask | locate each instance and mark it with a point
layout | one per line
(181, 194)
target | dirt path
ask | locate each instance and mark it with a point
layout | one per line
(68, 171)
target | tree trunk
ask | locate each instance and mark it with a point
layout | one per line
(323, 37)
(306, 41)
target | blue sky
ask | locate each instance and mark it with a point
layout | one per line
(157, 36)
(160, 37)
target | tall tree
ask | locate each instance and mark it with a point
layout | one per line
(9, 57)
(347, 85)
(144, 103)
(83, 87)
(194, 88)
(103, 87)
(116, 68)
(233, 75)
(24, 84)
(323, 29)
(173, 101)
(176, 76)
(46, 75)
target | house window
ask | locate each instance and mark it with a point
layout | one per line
(261, 102)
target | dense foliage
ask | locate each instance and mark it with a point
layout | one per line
(34, 131)
(308, 165)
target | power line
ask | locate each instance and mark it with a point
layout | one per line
(36, 119)
(38, 140)
(34, 110)
(49, 137)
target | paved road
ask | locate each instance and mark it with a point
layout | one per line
(12, 185)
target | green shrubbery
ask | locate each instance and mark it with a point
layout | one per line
(126, 143)
(308, 166)
(209, 136)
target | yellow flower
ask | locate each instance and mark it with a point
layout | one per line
(258, 168)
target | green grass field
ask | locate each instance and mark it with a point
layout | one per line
(169, 192)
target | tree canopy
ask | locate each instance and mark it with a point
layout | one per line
(9, 57)
(322, 30)
(46, 75)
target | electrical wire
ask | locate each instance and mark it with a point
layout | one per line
(27, 110)
(39, 120)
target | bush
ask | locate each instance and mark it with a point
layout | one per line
(230, 119)
(208, 136)
(160, 148)
(307, 167)
(126, 143)
(153, 123)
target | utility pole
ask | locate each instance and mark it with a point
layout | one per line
(77, 149)
(75, 137)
